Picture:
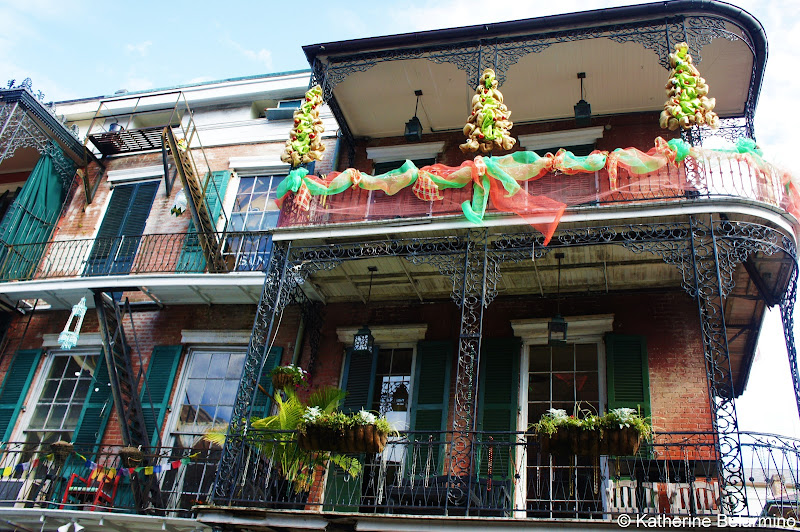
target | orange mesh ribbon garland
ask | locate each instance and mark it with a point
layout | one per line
(512, 182)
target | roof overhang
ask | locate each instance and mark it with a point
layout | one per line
(370, 83)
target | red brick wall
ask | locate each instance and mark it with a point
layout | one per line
(153, 328)
(637, 130)
(668, 320)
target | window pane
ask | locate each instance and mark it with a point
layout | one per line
(49, 390)
(57, 414)
(586, 386)
(228, 395)
(235, 366)
(200, 365)
(219, 365)
(563, 358)
(539, 387)
(263, 184)
(194, 391)
(586, 357)
(540, 359)
(65, 390)
(224, 414)
(258, 202)
(246, 185)
(562, 387)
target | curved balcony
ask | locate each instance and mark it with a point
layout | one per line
(711, 175)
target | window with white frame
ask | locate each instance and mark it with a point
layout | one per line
(204, 402)
(69, 377)
(254, 211)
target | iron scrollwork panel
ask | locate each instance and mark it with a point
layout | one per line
(278, 284)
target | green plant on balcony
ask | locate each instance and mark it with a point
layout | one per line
(361, 432)
(618, 432)
(276, 437)
(289, 375)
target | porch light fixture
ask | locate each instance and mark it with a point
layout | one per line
(557, 326)
(583, 111)
(400, 398)
(413, 131)
(363, 341)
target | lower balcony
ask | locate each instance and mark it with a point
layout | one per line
(416, 477)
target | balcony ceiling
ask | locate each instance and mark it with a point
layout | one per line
(374, 79)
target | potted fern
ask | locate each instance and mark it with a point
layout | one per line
(275, 436)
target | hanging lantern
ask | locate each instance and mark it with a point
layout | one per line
(69, 338)
(400, 398)
(557, 331)
(363, 341)
(179, 206)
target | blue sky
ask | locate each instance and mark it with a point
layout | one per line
(84, 48)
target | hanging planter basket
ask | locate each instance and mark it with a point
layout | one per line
(131, 456)
(282, 381)
(570, 441)
(360, 439)
(61, 450)
(623, 441)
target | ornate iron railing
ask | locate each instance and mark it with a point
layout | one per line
(674, 475)
(138, 254)
(91, 477)
(507, 476)
(716, 174)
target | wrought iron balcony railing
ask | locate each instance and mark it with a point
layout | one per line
(718, 174)
(138, 254)
(507, 477)
(97, 478)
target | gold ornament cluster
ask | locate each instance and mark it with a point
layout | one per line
(488, 125)
(305, 138)
(687, 101)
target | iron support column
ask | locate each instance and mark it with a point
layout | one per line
(787, 317)
(278, 284)
(710, 301)
(472, 300)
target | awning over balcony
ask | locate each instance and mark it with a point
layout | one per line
(623, 52)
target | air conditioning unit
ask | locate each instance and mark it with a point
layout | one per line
(285, 109)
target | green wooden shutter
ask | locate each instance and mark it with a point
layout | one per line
(343, 493)
(119, 234)
(15, 388)
(96, 410)
(429, 406)
(628, 375)
(497, 412)
(191, 258)
(160, 379)
(359, 380)
(262, 402)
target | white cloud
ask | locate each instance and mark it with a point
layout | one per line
(140, 48)
(262, 56)
(137, 84)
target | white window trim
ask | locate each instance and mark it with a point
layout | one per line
(215, 337)
(84, 340)
(401, 152)
(134, 175)
(387, 336)
(35, 391)
(558, 139)
(258, 165)
(580, 330)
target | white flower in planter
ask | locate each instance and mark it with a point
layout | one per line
(366, 418)
(311, 414)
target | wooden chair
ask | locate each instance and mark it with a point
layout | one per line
(706, 497)
(97, 489)
(621, 496)
(650, 494)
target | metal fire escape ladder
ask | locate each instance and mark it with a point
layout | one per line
(196, 194)
(125, 390)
